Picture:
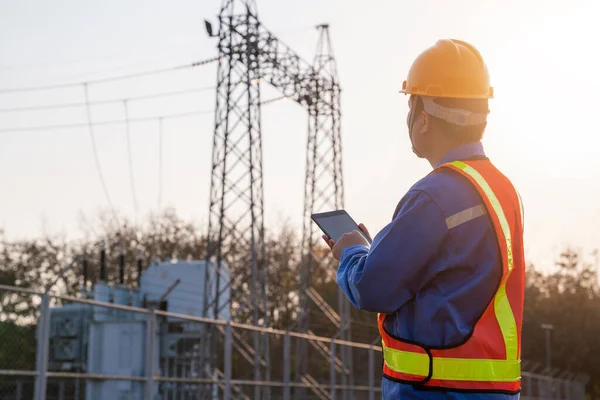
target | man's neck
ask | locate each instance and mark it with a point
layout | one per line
(438, 154)
(453, 152)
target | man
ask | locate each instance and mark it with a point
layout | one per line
(447, 274)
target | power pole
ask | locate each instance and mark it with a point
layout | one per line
(236, 214)
(548, 329)
(249, 56)
(323, 191)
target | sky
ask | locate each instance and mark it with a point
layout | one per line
(542, 130)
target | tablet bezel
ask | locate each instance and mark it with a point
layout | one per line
(334, 213)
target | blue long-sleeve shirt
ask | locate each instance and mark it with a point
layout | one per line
(431, 270)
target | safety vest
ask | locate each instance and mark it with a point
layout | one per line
(489, 360)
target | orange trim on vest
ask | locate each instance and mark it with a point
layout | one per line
(488, 342)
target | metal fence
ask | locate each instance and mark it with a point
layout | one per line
(111, 351)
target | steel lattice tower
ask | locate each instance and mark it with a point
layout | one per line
(236, 213)
(323, 191)
(250, 55)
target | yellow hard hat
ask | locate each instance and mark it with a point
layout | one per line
(451, 68)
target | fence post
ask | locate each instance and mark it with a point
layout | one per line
(77, 389)
(227, 361)
(43, 339)
(371, 374)
(332, 368)
(19, 395)
(286, 366)
(150, 341)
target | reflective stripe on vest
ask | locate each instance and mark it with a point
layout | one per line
(504, 314)
(432, 368)
(453, 369)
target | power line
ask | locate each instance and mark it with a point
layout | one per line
(160, 161)
(104, 123)
(109, 79)
(96, 158)
(276, 99)
(105, 102)
(130, 162)
(122, 121)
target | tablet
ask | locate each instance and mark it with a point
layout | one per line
(335, 223)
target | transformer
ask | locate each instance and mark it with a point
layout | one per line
(99, 340)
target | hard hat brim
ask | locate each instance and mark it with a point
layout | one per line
(490, 95)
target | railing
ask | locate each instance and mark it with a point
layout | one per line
(157, 353)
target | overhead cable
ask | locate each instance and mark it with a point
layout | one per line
(130, 163)
(275, 99)
(160, 161)
(109, 79)
(123, 121)
(105, 102)
(96, 157)
(104, 123)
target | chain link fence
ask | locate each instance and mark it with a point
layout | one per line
(54, 347)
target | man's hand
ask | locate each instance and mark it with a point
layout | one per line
(349, 239)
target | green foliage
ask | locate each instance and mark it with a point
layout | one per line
(17, 346)
(568, 298)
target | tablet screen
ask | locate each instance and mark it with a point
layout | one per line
(336, 223)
